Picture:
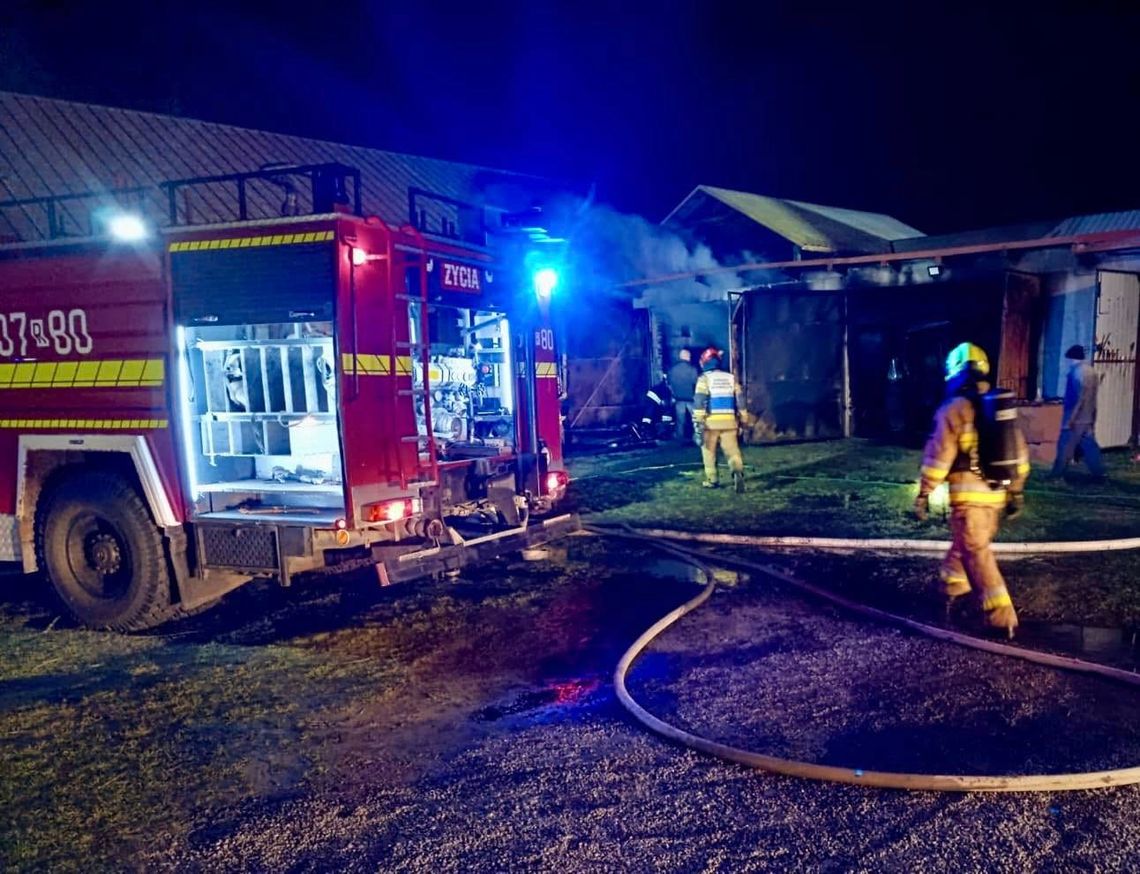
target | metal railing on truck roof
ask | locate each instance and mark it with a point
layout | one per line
(332, 187)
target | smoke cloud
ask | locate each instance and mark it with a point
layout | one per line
(608, 248)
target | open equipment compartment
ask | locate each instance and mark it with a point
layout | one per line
(470, 383)
(258, 382)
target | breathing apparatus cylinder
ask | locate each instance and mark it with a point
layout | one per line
(997, 436)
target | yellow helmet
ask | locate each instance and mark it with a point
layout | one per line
(966, 356)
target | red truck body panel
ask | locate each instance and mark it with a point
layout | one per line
(87, 346)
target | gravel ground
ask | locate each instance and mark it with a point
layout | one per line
(552, 774)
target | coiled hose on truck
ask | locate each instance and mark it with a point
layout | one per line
(856, 776)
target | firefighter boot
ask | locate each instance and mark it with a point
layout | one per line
(953, 594)
(953, 584)
(999, 610)
(738, 481)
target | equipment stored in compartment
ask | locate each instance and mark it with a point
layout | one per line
(469, 381)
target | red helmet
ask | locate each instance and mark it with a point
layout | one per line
(709, 354)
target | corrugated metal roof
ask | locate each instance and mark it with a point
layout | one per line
(811, 227)
(1126, 220)
(977, 237)
(876, 224)
(52, 147)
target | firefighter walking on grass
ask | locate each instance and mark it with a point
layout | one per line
(718, 410)
(978, 448)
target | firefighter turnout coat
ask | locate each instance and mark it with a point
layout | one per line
(948, 458)
(976, 507)
(718, 400)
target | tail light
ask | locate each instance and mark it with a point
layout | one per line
(392, 511)
(556, 480)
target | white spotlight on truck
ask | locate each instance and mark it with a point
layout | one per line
(126, 227)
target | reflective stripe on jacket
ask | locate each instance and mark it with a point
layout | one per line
(717, 400)
(947, 458)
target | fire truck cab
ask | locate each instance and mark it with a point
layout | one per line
(185, 410)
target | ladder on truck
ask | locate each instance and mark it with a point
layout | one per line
(419, 346)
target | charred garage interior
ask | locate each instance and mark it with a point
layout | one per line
(838, 321)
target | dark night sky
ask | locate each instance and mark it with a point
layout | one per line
(946, 120)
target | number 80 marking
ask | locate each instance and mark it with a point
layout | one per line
(67, 330)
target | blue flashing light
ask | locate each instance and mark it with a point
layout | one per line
(545, 281)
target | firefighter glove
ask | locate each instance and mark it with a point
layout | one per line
(1014, 505)
(922, 507)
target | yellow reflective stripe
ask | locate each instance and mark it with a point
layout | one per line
(715, 420)
(956, 588)
(546, 368)
(370, 364)
(105, 373)
(967, 441)
(108, 372)
(999, 598)
(247, 242)
(936, 474)
(86, 424)
(1023, 467)
(977, 497)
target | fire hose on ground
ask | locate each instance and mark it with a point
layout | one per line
(857, 776)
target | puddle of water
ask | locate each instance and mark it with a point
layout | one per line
(560, 694)
(1115, 645)
(675, 569)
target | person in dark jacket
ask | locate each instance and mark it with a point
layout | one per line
(682, 379)
(1078, 416)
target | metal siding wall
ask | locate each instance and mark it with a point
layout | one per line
(1117, 318)
(793, 364)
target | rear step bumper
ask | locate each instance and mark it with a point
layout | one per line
(427, 562)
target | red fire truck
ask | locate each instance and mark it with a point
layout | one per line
(185, 410)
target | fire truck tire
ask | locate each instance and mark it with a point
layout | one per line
(103, 554)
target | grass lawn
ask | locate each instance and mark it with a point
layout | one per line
(850, 488)
(114, 748)
(860, 489)
(110, 743)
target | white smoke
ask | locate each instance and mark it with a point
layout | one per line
(608, 249)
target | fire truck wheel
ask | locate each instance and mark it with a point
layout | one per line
(103, 554)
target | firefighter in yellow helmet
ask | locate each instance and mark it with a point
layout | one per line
(718, 408)
(976, 502)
